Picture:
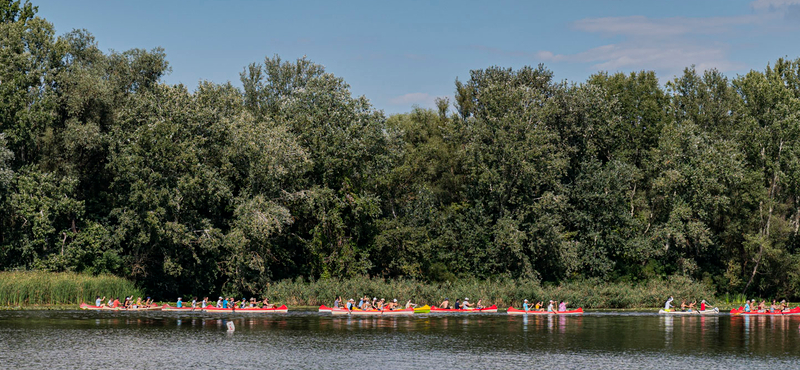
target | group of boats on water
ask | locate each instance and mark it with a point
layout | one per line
(375, 307)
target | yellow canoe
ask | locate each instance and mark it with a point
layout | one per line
(423, 309)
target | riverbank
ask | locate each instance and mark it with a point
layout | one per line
(48, 289)
(502, 292)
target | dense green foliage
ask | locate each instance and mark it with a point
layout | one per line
(105, 169)
(504, 292)
(47, 288)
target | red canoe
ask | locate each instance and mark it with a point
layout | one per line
(85, 306)
(490, 309)
(514, 311)
(357, 312)
(281, 309)
(740, 311)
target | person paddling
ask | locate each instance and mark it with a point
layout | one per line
(525, 305)
(465, 305)
(445, 304)
(479, 305)
(410, 305)
(563, 306)
(668, 304)
(99, 302)
(457, 306)
(704, 305)
(550, 306)
(337, 301)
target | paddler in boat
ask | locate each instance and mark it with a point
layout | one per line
(138, 301)
(525, 305)
(194, 302)
(783, 306)
(99, 302)
(457, 305)
(336, 302)
(704, 305)
(225, 303)
(692, 306)
(550, 306)
(747, 306)
(563, 306)
(762, 307)
(366, 306)
(392, 305)
(465, 305)
(204, 304)
(445, 304)
(381, 304)
(179, 304)
(350, 304)
(479, 305)
(410, 305)
(668, 304)
(773, 307)
(219, 302)
(116, 303)
(244, 303)
(539, 306)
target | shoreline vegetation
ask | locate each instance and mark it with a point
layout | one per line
(503, 292)
(42, 289)
(578, 188)
(37, 288)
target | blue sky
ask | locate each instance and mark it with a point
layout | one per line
(405, 53)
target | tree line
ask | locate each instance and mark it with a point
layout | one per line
(104, 168)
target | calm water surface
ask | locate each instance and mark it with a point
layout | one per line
(308, 340)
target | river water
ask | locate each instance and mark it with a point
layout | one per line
(311, 340)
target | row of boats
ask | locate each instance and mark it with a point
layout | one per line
(424, 309)
(429, 309)
(167, 307)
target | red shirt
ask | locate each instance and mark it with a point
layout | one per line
(116, 303)
(702, 306)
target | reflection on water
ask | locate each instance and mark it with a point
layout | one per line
(92, 340)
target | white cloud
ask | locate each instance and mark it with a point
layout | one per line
(773, 4)
(641, 26)
(665, 57)
(424, 100)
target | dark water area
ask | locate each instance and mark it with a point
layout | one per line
(310, 340)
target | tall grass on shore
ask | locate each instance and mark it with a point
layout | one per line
(49, 288)
(502, 292)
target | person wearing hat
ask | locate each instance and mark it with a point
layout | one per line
(350, 304)
(445, 304)
(550, 306)
(525, 305)
(465, 305)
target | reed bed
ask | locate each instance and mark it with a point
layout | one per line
(502, 292)
(26, 288)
